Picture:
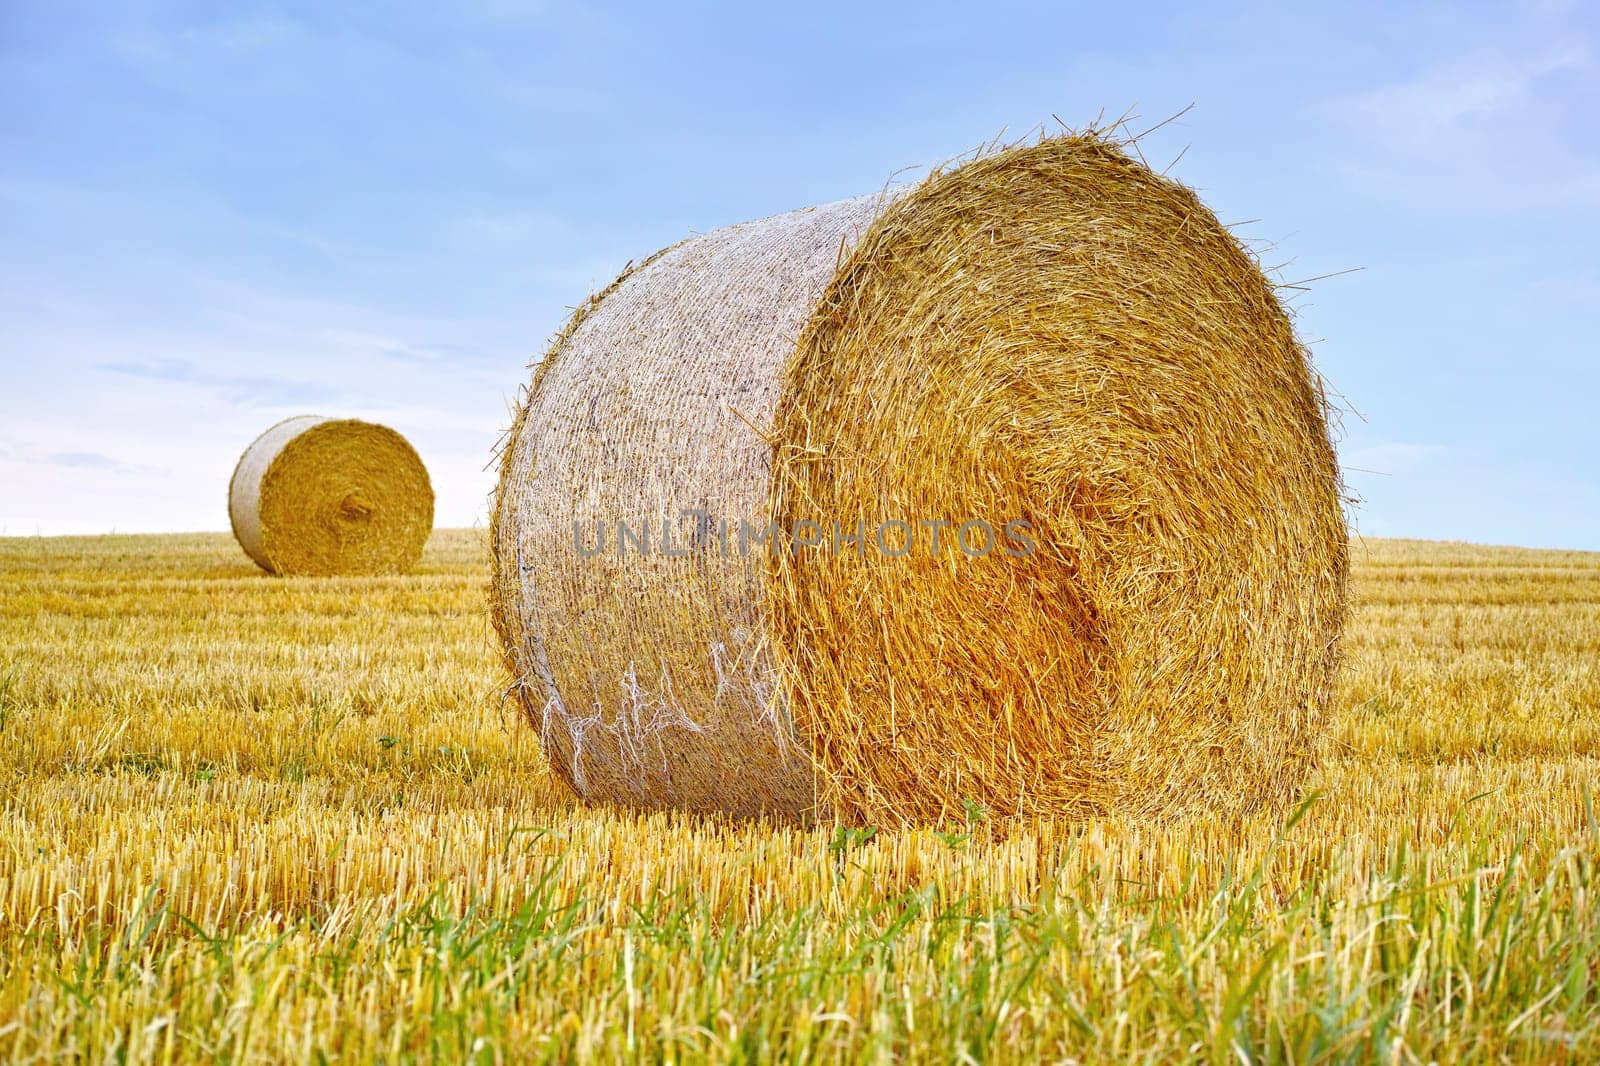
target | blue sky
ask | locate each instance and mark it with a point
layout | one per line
(212, 217)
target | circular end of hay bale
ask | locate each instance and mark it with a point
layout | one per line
(322, 497)
(1067, 360)
(1052, 342)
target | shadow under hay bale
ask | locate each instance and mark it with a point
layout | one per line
(1052, 342)
(316, 496)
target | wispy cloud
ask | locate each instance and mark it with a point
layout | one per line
(1471, 129)
(30, 453)
(244, 389)
(435, 353)
(1469, 92)
(83, 460)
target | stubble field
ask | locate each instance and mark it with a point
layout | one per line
(254, 819)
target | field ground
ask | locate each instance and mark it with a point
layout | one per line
(245, 818)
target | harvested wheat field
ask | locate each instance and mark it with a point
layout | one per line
(245, 819)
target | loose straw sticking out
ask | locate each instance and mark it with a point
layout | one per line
(1052, 334)
(318, 497)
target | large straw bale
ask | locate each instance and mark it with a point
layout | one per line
(1050, 334)
(318, 496)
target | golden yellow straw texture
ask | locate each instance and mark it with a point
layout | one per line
(1060, 334)
(320, 497)
(1053, 334)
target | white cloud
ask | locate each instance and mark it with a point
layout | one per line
(1442, 101)
(1500, 128)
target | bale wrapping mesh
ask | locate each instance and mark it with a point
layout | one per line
(1052, 343)
(319, 497)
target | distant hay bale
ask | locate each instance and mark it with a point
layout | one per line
(318, 497)
(1053, 336)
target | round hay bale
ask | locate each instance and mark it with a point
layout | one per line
(1052, 342)
(319, 496)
